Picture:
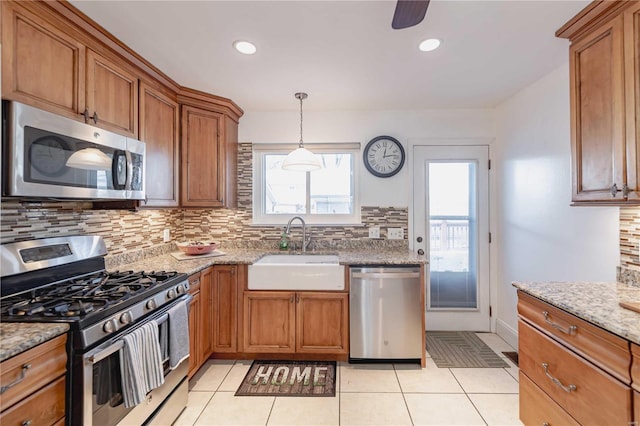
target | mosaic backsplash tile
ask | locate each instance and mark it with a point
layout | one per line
(132, 236)
(630, 238)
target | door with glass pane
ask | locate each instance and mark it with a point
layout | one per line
(451, 219)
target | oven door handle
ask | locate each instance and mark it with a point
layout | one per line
(105, 353)
(120, 343)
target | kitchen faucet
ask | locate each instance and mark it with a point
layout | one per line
(305, 241)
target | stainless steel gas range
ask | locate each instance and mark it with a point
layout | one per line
(64, 280)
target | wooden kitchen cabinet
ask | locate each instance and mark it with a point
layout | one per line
(159, 129)
(32, 43)
(269, 321)
(225, 306)
(112, 95)
(571, 369)
(605, 96)
(39, 397)
(209, 150)
(77, 79)
(295, 322)
(322, 322)
(206, 319)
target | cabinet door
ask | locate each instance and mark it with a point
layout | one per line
(269, 321)
(159, 121)
(201, 156)
(632, 88)
(112, 94)
(194, 334)
(597, 114)
(225, 308)
(31, 45)
(322, 322)
(206, 319)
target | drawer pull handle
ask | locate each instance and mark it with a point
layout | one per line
(25, 367)
(572, 329)
(27, 423)
(569, 388)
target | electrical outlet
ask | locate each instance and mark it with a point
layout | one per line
(374, 232)
(395, 233)
(166, 235)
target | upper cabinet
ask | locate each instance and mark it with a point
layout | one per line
(57, 59)
(209, 151)
(45, 65)
(30, 45)
(159, 130)
(112, 95)
(605, 102)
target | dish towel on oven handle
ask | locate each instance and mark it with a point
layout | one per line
(141, 369)
(178, 334)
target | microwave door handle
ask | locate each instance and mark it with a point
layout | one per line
(127, 185)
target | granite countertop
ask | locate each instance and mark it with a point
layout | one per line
(232, 256)
(17, 337)
(596, 303)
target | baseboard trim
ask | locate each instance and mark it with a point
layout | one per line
(507, 333)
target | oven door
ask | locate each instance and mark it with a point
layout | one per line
(102, 386)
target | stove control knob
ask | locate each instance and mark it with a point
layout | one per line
(108, 327)
(180, 289)
(171, 294)
(151, 304)
(125, 318)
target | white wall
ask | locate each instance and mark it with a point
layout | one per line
(540, 237)
(362, 126)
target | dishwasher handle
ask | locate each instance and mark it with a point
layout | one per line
(385, 275)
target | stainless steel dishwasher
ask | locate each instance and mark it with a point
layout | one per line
(385, 318)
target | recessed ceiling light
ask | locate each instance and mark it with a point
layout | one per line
(429, 44)
(244, 47)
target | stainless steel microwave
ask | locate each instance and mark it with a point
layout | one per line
(49, 156)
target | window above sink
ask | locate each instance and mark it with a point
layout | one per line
(328, 196)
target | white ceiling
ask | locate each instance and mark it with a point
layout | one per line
(344, 53)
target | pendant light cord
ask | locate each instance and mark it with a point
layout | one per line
(301, 96)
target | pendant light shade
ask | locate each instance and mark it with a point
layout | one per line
(89, 159)
(301, 159)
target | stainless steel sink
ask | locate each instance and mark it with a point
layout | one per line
(296, 272)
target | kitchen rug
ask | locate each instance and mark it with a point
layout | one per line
(461, 349)
(289, 378)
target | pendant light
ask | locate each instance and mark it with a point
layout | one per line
(301, 159)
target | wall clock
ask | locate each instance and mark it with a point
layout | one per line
(383, 156)
(47, 155)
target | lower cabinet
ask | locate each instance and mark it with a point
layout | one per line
(33, 385)
(571, 372)
(289, 322)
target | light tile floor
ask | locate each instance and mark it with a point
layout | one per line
(366, 394)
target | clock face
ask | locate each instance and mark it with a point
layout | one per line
(47, 155)
(383, 156)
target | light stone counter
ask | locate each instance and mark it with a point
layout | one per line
(17, 337)
(166, 262)
(597, 303)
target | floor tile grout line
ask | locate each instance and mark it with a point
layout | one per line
(403, 397)
(476, 408)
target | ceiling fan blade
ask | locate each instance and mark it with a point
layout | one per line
(409, 13)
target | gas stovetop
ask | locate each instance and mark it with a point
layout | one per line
(79, 297)
(63, 279)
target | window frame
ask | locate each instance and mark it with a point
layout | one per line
(260, 151)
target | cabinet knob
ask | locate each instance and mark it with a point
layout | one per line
(614, 190)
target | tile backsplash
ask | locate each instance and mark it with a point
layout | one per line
(128, 231)
(630, 238)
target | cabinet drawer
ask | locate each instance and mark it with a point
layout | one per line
(44, 407)
(606, 350)
(536, 408)
(45, 362)
(588, 394)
